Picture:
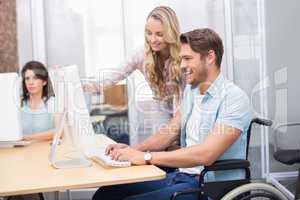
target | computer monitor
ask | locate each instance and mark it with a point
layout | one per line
(10, 117)
(70, 102)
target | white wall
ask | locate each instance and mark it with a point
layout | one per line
(283, 65)
(64, 35)
(31, 31)
(24, 31)
(247, 47)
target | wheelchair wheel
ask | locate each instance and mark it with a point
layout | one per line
(255, 191)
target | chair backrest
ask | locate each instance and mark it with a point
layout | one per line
(286, 136)
(260, 121)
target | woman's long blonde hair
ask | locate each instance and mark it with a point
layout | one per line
(171, 35)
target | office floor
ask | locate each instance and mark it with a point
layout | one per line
(84, 194)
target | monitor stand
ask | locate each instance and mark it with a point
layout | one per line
(72, 162)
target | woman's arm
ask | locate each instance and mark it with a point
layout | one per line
(115, 75)
(40, 136)
(44, 135)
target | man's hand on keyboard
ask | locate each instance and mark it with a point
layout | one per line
(112, 147)
(134, 156)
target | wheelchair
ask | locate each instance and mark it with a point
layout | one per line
(243, 189)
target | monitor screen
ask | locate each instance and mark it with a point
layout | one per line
(10, 117)
(69, 98)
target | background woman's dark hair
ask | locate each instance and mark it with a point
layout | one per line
(40, 72)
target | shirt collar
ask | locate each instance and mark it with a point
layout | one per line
(214, 88)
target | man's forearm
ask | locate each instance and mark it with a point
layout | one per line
(185, 157)
(44, 135)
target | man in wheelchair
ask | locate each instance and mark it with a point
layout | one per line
(211, 124)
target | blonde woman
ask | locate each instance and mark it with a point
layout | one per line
(158, 62)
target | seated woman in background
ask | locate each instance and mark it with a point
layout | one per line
(37, 101)
(37, 104)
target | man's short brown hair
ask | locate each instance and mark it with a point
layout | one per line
(203, 40)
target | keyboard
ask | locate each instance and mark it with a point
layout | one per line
(100, 157)
(20, 143)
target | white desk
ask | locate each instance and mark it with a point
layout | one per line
(26, 170)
